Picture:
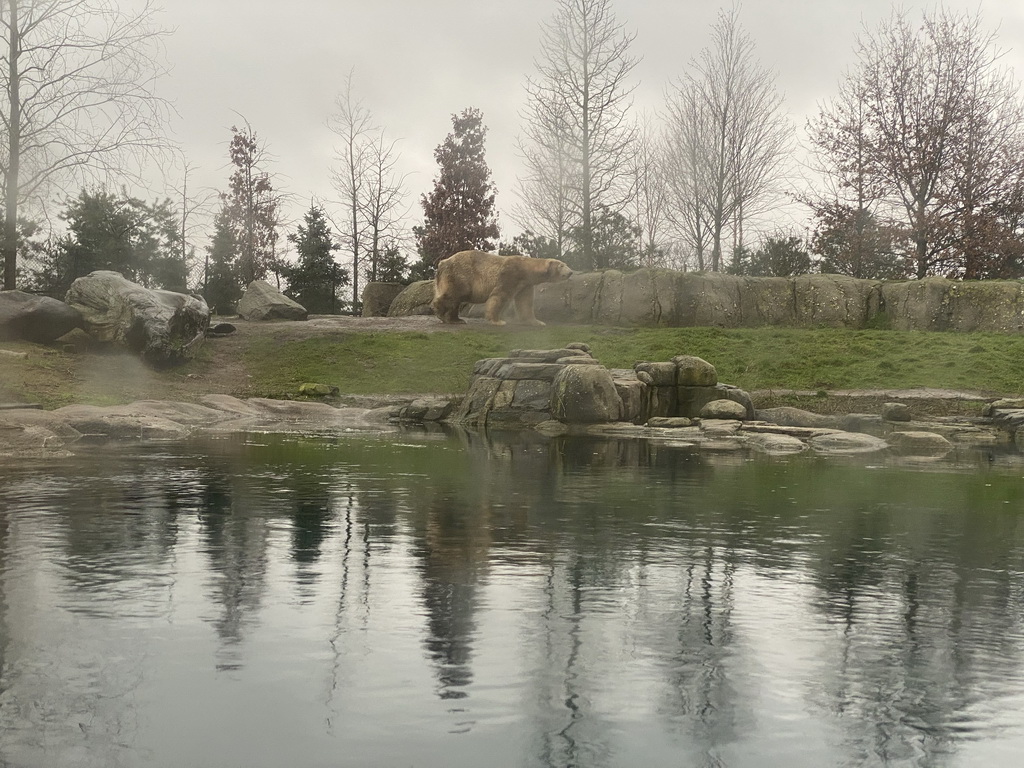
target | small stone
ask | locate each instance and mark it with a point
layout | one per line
(310, 389)
(723, 409)
(920, 443)
(895, 411)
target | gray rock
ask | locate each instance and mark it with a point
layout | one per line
(776, 444)
(723, 409)
(788, 416)
(896, 412)
(632, 393)
(842, 443)
(920, 443)
(29, 432)
(550, 355)
(871, 423)
(377, 298)
(661, 374)
(541, 371)
(35, 318)
(669, 422)
(414, 300)
(720, 427)
(427, 409)
(262, 301)
(585, 394)
(165, 328)
(1005, 404)
(690, 400)
(694, 372)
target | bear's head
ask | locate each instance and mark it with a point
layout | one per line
(558, 271)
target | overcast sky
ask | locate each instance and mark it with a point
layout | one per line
(281, 65)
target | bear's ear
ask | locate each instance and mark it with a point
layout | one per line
(553, 268)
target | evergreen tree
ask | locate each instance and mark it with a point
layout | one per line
(119, 233)
(316, 280)
(778, 256)
(222, 286)
(458, 214)
(530, 244)
(392, 266)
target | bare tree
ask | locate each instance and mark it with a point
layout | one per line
(366, 178)
(353, 124)
(649, 198)
(78, 78)
(548, 192)
(579, 106)
(942, 136)
(687, 172)
(383, 207)
(193, 203)
(729, 133)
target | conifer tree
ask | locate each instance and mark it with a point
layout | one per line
(222, 287)
(458, 214)
(316, 280)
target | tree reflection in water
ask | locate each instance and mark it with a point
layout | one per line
(584, 602)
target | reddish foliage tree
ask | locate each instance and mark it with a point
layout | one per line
(458, 214)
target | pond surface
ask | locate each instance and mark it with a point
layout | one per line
(432, 600)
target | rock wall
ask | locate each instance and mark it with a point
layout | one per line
(659, 297)
(569, 385)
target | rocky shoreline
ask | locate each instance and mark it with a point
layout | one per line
(551, 392)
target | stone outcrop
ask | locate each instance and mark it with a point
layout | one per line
(414, 300)
(377, 298)
(35, 318)
(681, 402)
(165, 328)
(262, 301)
(568, 385)
(660, 297)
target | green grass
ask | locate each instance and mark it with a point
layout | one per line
(764, 358)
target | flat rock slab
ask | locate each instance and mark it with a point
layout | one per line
(843, 443)
(920, 443)
(776, 444)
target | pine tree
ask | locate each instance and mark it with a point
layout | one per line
(458, 214)
(316, 279)
(222, 290)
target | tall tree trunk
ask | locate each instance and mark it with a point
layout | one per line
(10, 244)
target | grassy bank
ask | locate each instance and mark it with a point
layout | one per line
(750, 358)
(260, 363)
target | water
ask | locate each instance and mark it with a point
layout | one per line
(424, 600)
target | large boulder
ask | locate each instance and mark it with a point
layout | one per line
(262, 301)
(35, 318)
(414, 300)
(377, 298)
(165, 328)
(585, 394)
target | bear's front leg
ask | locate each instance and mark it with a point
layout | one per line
(524, 306)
